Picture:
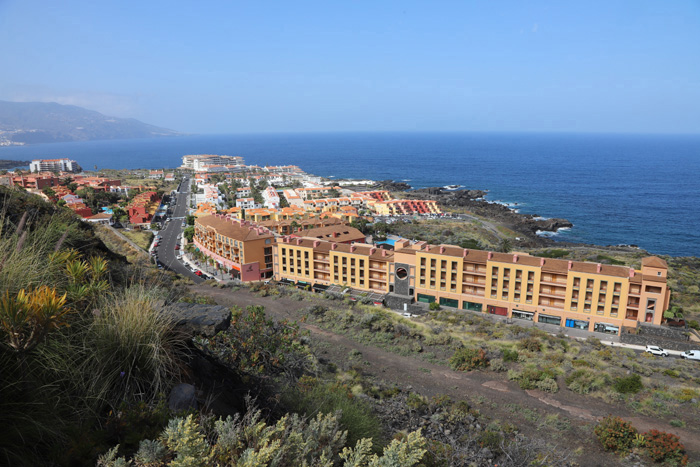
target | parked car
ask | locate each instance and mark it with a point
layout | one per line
(656, 350)
(691, 355)
(198, 273)
(177, 247)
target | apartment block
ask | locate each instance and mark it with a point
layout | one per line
(574, 294)
(565, 293)
(238, 246)
(313, 261)
(194, 161)
(405, 207)
(54, 165)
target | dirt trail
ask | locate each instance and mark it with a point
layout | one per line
(432, 379)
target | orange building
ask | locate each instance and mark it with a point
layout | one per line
(239, 246)
(335, 233)
(143, 207)
(406, 207)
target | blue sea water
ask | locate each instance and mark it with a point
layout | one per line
(615, 189)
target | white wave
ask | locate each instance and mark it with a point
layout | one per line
(453, 187)
(406, 180)
(546, 233)
(540, 218)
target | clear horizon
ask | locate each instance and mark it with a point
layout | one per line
(239, 68)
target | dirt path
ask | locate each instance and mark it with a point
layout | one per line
(432, 379)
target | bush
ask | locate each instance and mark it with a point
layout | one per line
(510, 355)
(664, 447)
(548, 385)
(416, 401)
(434, 306)
(132, 348)
(531, 344)
(615, 434)
(584, 381)
(631, 384)
(468, 359)
(694, 325)
(553, 253)
(355, 415)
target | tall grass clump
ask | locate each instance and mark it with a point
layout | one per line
(354, 415)
(132, 347)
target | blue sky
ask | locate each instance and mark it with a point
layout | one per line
(238, 67)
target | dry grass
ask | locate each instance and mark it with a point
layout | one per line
(142, 238)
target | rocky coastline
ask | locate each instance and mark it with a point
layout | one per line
(473, 200)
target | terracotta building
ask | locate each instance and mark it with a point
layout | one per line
(238, 246)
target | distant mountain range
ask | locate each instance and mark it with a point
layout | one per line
(48, 122)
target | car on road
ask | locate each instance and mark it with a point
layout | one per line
(177, 247)
(691, 355)
(656, 350)
(198, 273)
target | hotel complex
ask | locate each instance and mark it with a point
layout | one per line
(566, 293)
(54, 165)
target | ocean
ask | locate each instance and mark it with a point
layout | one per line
(616, 189)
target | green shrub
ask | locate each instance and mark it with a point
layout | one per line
(548, 385)
(553, 253)
(531, 344)
(132, 349)
(677, 423)
(665, 447)
(693, 324)
(615, 434)
(434, 306)
(510, 355)
(416, 401)
(468, 359)
(491, 440)
(438, 339)
(631, 384)
(325, 397)
(584, 381)
(671, 372)
(498, 365)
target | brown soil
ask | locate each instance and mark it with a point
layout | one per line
(431, 379)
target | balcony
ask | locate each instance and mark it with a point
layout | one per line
(474, 272)
(560, 283)
(550, 294)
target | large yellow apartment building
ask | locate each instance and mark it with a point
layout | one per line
(566, 293)
(312, 261)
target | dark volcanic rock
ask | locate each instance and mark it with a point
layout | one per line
(391, 185)
(201, 320)
(182, 397)
(473, 201)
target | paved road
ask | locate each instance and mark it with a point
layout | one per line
(171, 234)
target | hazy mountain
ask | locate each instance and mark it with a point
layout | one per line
(48, 122)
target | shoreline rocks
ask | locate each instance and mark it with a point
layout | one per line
(473, 200)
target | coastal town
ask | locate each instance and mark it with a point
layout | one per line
(358, 266)
(247, 223)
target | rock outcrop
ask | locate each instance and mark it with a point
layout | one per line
(201, 320)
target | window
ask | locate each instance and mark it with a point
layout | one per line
(268, 241)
